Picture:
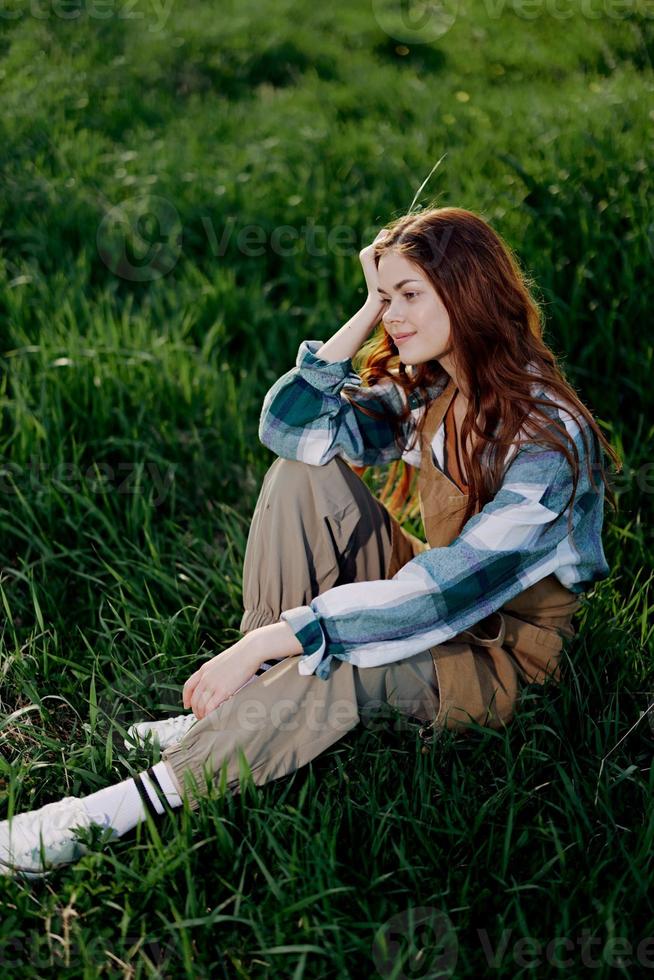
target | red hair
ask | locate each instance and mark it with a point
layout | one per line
(496, 332)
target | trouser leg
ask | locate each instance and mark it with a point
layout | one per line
(284, 719)
(313, 527)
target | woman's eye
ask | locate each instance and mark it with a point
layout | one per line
(406, 296)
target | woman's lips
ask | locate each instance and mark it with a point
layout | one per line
(402, 337)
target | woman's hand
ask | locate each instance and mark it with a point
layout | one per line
(367, 259)
(220, 678)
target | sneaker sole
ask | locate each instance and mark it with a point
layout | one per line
(30, 873)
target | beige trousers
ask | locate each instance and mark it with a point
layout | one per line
(313, 527)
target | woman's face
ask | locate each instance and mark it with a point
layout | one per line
(412, 307)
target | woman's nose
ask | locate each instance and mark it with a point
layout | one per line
(391, 316)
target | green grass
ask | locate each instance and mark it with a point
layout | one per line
(130, 394)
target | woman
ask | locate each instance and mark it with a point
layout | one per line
(460, 384)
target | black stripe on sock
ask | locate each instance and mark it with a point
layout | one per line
(147, 802)
(163, 799)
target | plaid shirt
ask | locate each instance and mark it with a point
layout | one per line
(513, 542)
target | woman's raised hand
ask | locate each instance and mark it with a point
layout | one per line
(346, 342)
(367, 259)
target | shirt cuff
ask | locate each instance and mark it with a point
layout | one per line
(306, 626)
(323, 375)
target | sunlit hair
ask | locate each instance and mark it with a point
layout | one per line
(496, 331)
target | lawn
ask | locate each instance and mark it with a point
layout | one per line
(185, 190)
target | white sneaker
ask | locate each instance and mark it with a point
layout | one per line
(52, 826)
(170, 730)
(163, 733)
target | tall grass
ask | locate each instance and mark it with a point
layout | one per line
(130, 389)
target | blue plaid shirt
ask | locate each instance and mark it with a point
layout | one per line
(513, 542)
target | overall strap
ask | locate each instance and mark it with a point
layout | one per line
(451, 460)
(436, 410)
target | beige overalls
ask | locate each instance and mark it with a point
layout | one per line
(521, 641)
(317, 527)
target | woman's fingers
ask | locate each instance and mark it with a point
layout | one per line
(189, 688)
(198, 700)
(214, 702)
(216, 681)
(205, 698)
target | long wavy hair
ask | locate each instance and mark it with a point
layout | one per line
(496, 329)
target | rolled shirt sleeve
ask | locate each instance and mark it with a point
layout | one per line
(517, 539)
(306, 417)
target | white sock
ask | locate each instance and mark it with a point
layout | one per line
(120, 806)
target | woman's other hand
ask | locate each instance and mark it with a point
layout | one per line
(220, 678)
